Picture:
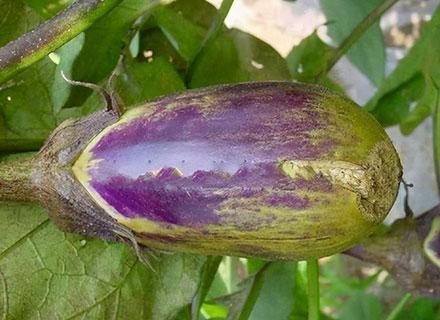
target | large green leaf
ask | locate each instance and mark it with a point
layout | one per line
(236, 56)
(184, 35)
(145, 80)
(368, 53)
(26, 108)
(26, 116)
(15, 20)
(408, 95)
(199, 12)
(46, 274)
(176, 34)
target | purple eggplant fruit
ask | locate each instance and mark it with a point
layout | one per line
(275, 170)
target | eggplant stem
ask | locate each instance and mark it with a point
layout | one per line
(313, 289)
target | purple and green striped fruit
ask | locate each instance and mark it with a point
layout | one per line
(274, 169)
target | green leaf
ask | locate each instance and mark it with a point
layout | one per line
(166, 40)
(422, 309)
(399, 100)
(267, 293)
(207, 277)
(368, 54)
(67, 55)
(309, 59)
(183, 35)
(362, 306)
(146, 80)
(199, 12)
(236, 56)
(423, 109)
(102, 47)
(16, 19)
(45, 273)
(153, 42)
(416, 70)
(277, 294)
(26, 111)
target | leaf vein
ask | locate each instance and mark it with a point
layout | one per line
(105, 297)
(24, 237)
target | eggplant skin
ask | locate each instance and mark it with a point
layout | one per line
(276, 170)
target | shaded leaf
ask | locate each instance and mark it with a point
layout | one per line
(199, 12)
(236, 56)
(102, 47)
(183, 35)
(276, 298)
(26, 108)
(153, 42)
(67, 55)
(146, 80)
(15, 20)
(368, 53)
(244, 300)
(176, 32)
(207, 277)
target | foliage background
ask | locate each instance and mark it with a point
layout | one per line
(47, 274)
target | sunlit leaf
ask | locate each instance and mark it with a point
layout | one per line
(368, 53)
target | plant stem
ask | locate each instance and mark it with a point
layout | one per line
(354, 36)
(313, 289)
(51, 34)
(16, 179)
(398, 307)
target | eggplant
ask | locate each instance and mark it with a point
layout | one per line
(276, 170)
